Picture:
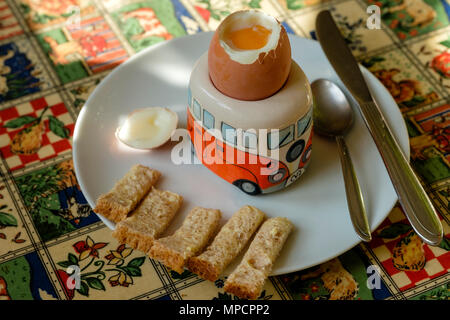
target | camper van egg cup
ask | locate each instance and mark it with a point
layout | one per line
(259, 146)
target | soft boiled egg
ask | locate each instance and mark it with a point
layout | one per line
(148, 128)
(249, 57)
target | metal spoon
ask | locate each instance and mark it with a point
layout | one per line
(333, 117)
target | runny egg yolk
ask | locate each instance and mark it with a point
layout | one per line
(251, 38)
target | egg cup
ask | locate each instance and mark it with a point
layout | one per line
(260, 146)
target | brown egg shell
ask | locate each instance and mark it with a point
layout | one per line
(255, 81)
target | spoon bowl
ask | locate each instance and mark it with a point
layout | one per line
(333, 115)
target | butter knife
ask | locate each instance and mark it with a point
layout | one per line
(415, 202)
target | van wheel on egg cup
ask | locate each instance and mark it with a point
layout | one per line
(295, 151)
(247, 186)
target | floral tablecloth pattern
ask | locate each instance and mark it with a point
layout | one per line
(53, 53)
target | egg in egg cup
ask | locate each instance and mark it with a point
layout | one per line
(250, 105)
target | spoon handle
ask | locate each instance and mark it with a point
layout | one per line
(355, 199)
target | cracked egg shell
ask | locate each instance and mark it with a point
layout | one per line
(249, 57)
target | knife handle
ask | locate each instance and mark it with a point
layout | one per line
(415, 202)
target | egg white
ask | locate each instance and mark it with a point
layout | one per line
(148, 128)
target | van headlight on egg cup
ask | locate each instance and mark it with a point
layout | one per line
(278, 176)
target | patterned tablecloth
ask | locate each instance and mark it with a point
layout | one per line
(53, 53)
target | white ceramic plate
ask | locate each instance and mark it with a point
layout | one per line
(316, 204)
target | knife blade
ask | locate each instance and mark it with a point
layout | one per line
(415, 202)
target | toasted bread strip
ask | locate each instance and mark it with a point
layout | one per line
(247, 280)
(149, 220)
(197, 229)
(126, 193)
(228, 243)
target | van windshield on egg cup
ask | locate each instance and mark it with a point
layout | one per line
(249, 57)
